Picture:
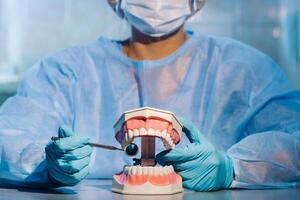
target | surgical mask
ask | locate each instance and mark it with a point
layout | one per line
(157, 18)
(195, 6)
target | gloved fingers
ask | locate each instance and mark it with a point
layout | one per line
(73, 166)
(188, 184)
(203, 184)
(195, 178)
(192, 132)
(189, 174)
(187, 166)
(77, 154)
(192, 185)
(69, 143)
(171, 157)
(68, 179)
(52, 151)
(69, 166)
(163, 159)
(52, 163)
(182, 154)
(65, 131)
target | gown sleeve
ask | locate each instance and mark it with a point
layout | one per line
(269, 155)
(43, 102)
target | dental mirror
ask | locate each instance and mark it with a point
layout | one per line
(131, 149)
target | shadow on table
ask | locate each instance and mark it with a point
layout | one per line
(49, 191)
(43, 190)
(99, 184)
(178, 196)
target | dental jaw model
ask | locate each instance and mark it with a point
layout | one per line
(144, 177)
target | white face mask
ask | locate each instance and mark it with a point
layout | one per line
(156, 18)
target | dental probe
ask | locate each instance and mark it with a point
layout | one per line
(103, 146)
(131, 149)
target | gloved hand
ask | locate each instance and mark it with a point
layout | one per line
(68, 158)
(201, 166)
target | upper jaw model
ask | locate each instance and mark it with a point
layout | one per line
(144, 177)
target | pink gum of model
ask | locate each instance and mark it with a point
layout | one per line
(150, 122)
(159, 180)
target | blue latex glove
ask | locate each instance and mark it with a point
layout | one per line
(68, 158)
(201, 166)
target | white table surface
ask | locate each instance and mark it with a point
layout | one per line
(100, 189)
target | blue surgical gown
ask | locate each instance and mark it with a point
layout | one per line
(237, 97)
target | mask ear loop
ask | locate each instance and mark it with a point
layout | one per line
(196, 5)
(192, 5)
(117, 6)
(120, 8)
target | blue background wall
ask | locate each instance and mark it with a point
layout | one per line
(31, 29)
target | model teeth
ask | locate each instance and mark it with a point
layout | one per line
(161, 171)
(126, 169)
(168, 138)
(151, 131)
(136, 132)
(164, 135)
(130, 134)
(171, 168)
(133, 170)
(148, 171)
(142, 132)
(158, 133)
(139, 170)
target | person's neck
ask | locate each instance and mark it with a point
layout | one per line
(143, 47)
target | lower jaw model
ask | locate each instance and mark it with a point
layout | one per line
(144, 177)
